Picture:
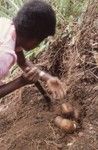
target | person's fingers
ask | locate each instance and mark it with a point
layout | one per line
(34, 78)
(25, 73)
(56, 87)
(56, 83)
(58, 95)
(49, 85)
(61, 90)
(61, 94)
(32, 74)
(54, 95)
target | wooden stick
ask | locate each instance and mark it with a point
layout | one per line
(18, 83)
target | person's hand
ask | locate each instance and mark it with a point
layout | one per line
(56, 87)
(31, 74)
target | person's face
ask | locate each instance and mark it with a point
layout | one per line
(28, 45)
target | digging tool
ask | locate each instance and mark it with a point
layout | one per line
(20, 82)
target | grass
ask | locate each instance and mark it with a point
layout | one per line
(66, 10)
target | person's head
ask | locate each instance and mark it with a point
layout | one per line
(34, 22)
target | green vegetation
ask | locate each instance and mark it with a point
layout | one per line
(66, 10)
(9, 8)
(69, 8)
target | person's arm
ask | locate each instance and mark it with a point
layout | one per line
(6, 61)
(21, 60)
(25, 64)
(32, 73)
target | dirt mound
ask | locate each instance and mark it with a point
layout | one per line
(27, 122)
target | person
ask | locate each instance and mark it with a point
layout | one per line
(34, 22)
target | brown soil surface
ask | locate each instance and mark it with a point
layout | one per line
(27, 121)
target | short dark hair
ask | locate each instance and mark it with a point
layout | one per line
(36, 19)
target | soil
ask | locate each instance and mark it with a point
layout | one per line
(27, 120)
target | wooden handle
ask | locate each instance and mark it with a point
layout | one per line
(12, 86)
(18, 83)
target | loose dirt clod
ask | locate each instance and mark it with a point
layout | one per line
(29, 126)
(67, 109)
(70, 112)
